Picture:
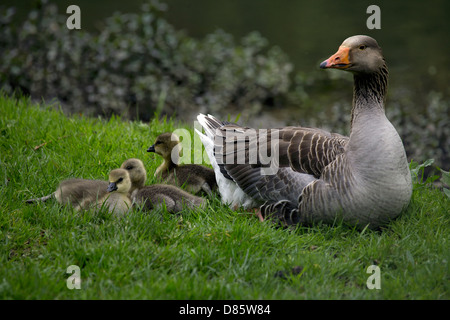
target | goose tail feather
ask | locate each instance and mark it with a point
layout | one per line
(210, 124)
(283, 212)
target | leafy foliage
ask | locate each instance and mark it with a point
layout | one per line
(125, 67)
(418, 175)
(446, 181)
(417, 172)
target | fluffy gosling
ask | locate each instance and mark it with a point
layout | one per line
(83, 193)
(117, 200)
(136, 171)
(193, 177)
(155, 196)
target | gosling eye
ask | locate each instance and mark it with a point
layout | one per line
(129, 167)
(362, 47)
(120, 180)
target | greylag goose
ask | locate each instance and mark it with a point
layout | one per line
(82, 193)
(363, 179)
(193, 177)
(157, 195)
(116, 200)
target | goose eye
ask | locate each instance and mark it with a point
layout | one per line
(129, 167)
(120, 180)
(157, 142)
(362, 47)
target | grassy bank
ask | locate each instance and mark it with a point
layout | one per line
(215, 253)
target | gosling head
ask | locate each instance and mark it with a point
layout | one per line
(119, 181)
(164, 144)
(359, 54)
(136, 171)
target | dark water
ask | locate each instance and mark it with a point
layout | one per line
(414, 35)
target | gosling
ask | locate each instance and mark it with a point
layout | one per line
(157, 195)
(137, 173)
(82, 193)
(193, 177)
(117, 200)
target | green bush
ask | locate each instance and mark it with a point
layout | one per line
(134, 61)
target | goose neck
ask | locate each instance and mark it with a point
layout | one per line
(369, 92)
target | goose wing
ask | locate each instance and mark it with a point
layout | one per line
(286, 184)
(304, 150)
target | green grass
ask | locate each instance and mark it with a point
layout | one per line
(215, 253)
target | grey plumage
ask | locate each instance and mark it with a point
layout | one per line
(363, 179)
(80, 193)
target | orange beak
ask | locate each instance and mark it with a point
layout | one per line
(339, 60)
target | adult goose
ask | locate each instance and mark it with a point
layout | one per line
(362, 179)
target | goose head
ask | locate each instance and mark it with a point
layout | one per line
(164, 144)
(136, 171)
(119, 181)
(358, 54)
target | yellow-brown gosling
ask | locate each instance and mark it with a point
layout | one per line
(117, 200)
(82, 193)
(137, 173)
(192, 177)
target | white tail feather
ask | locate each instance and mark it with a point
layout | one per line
(230, 192)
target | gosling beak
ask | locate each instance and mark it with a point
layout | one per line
(339, 60)
(151, 149)
(112, 187)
